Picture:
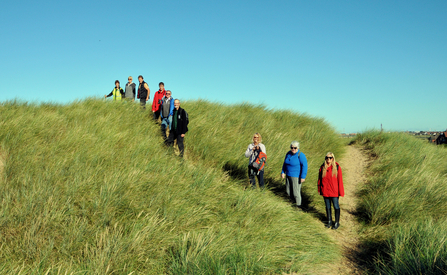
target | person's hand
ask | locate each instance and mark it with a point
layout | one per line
(153, 111)
(302, 180)
(283, 175)
(105, 96)
(182, 135)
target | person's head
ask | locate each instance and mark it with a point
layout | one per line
(176, 104)
(257, 138)
(130, 79)
(140, 78)
(168, 93)
(294, 146)
(329, 160)
(161, 85)
(117, 83)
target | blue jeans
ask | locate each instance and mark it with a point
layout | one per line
(334, 200)
(165, 123)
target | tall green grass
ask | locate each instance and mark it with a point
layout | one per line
(88, 188)
(404, 202)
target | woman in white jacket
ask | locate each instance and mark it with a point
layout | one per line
(252, 153)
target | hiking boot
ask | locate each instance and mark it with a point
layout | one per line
(337, 219)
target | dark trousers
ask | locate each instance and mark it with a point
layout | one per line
(172, 136)
(143, 103)
(156, 115)
(253, 174)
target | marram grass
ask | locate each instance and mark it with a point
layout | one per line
(404, 201)
(88, 188)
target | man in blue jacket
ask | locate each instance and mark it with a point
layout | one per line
(166, 112)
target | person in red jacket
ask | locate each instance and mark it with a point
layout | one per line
(158, 100)
(330, 186)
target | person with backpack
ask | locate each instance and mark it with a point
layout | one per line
(166, 113)
(179, 127)
(255, 152)
(330, 186)
(117, 92)
(294, 170)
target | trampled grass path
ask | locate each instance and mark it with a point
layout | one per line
(353, 165)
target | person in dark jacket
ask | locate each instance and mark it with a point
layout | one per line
(294, 170)
(117, 92)
(179, 127)
(330, 186)
(143, 92)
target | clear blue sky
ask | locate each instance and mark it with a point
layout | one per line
(355, 63)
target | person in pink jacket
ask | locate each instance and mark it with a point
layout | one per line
(330, 186)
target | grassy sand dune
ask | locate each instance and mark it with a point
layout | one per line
(404, 206)
(88, 188)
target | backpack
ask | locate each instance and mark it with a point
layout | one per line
(187, 118)
(259, 163)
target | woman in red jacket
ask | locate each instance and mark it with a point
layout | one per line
(330, 186)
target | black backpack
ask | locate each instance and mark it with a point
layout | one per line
(187, 118)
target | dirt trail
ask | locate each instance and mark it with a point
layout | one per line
(353, 165)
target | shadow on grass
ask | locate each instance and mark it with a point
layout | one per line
(277, 187)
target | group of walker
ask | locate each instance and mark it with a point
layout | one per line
(294, 171)
(164, 107)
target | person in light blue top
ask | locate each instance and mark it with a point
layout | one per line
(294, 170)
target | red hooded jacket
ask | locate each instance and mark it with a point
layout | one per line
(330, 186)
(157, 97)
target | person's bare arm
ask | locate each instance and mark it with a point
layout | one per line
(148, 91)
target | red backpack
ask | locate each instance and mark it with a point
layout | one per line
(259, 163)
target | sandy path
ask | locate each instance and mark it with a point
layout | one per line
(353, 165)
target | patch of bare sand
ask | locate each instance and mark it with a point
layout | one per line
(353, 167)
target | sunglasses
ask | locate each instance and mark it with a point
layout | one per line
(329, 157)
(293, 147)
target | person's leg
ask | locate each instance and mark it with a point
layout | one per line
(289, 188)
(260, 177)
(327, 202)
(164, 125)
(297, 191)
(143, 103)
(180, 145)
(156, 115)
(252, 177)
(171, 138)
(337, 212)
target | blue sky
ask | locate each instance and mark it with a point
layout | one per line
(355, 63)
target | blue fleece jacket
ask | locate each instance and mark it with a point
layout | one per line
(295, 166)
